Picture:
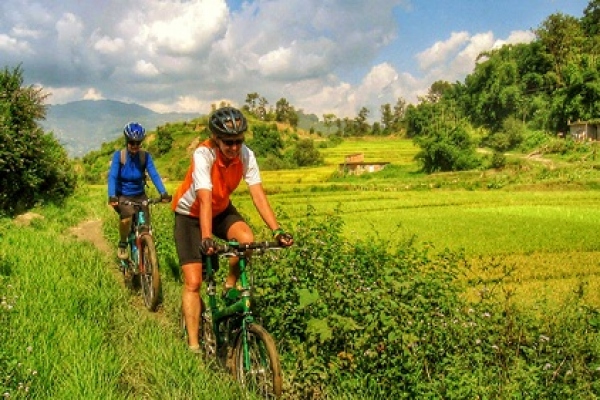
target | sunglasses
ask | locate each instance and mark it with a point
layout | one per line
(231, 142)
(134, 142)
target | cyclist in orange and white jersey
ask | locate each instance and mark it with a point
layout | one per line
(203, 207)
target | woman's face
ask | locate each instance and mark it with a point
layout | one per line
(133, 146)
(230, 146)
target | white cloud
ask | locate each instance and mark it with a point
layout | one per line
(187, 104)
(176, 27)
(146, 69)
(23, 31)
(107, 45)
(323, 56)
(61, 95)
(440, 51)
(12, 45)
(297, 61)
(69, 29)
(516, 37)
(93, 94)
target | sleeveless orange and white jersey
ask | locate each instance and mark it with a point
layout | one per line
(209, 171)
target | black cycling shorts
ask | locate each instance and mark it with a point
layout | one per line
(126, 211)
(187, 233)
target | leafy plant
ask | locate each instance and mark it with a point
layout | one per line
(33, 165)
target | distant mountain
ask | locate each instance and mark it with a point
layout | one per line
(82, 126)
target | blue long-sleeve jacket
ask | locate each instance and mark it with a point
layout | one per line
(128, 179)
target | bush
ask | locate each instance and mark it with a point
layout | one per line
(33, 165)
(383, 319)
(446, 149)
(304, 154)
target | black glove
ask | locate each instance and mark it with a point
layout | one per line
(207, 244)
(282, 237)
(166, 197)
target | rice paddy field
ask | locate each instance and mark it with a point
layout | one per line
(541, 221)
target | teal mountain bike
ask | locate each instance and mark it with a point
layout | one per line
(230, 333)
(141, 269)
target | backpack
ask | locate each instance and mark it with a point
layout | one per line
(142, 162)
(142, 157)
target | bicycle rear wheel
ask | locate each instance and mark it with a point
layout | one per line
(150, 276)
(262, 374)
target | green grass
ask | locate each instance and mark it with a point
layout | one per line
(76, 332)
(73, 328)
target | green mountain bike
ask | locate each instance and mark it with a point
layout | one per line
(229, 331)
(141, 269)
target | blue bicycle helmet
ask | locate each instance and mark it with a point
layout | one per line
(227, 121)
(134, 131)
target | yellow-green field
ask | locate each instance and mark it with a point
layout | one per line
(548, 235)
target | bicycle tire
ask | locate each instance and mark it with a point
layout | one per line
(150, 276)
(207, 337)
(264, 376)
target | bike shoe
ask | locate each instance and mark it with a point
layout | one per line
(195, 349)
(122, 252)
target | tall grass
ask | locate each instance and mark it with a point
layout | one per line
(71, 330)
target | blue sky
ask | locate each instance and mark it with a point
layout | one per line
(323, 56)
(426, 22)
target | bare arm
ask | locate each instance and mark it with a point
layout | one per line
(205, 197)
(259, 198)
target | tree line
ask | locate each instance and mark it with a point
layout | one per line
(513, 91)
(516, 89)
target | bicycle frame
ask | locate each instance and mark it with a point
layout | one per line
(135, 235)
(243, 306)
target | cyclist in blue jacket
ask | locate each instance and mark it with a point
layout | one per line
(126, 181)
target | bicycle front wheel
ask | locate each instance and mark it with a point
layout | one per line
(257, 367)
(149, 275)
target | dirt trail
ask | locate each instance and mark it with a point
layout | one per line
(91, 231)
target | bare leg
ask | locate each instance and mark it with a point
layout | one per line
(243, 234)
(190, 300)
(124, 228)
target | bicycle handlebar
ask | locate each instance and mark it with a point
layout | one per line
(236, 248)
(140, 203)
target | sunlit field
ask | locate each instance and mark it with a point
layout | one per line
(532, 242)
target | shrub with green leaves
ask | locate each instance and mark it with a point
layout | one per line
(384, 318)
(446, 148)
(34, 167)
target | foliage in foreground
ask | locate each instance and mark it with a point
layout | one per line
(70, 330)
(374, 318)
(34, 166)
(384, 319)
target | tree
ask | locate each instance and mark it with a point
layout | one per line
(361, 124)
(399, 114)
(282, 110)
(164, 140)
(562, 36)
(447, 147)
(266, 140)
(590, 23)
(305, 154)
(261, 111)
(34, 167)
(387, 118)
(293, 118)
(591, 18)
(437, 90)
(251, 99)
(328, 120)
